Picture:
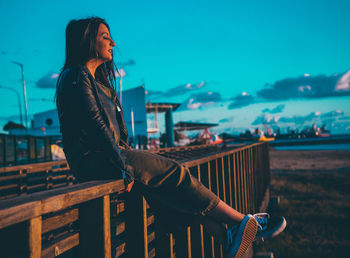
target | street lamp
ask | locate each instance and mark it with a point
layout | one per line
(120, 73)
(19, 101)
(24, 92)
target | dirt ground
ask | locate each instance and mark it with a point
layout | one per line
(309, 160)
(314, 191)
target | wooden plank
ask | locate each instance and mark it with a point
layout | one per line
(172, 243)
(189, 242)
(60, 220)
(150, 237)
(239, 187)
(35, 187)
(34, 237)
(34, 166)
(6, 187)
(234, 180)
(95, 230)
(26, 207)
(61, 246)
(12, 177)
(9, 196)
(59, 177)
(120, 207)
(216, 179)
(244, 179)
(229, 178)
(150, 220)
(107, 226)
(196, 231)
(223, 179)
(120, 228)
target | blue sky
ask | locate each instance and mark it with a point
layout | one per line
(242, 64)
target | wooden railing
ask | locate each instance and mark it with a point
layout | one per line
(97, 219)
(30, 178)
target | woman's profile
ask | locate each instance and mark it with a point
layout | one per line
(95, 141)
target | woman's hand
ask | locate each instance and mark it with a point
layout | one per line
(129, 186)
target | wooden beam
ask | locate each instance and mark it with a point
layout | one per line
(34, 237)
(13, 211)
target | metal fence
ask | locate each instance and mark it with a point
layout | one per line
(97, 219)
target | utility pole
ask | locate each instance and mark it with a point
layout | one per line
(24, 93)
(120, 73)
(18, 99)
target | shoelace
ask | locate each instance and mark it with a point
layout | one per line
(261, 218)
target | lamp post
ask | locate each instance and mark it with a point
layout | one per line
(19, 101)
(24, 92)
(120, 73)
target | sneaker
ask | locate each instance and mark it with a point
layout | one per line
(240, 237)
(269, 227)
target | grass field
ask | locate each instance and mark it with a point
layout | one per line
(315, 199)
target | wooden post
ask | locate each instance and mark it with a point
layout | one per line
(95, 228)
(34, 237)
(196, 231)
(136, 225)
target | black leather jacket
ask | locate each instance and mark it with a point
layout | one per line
(86, 123)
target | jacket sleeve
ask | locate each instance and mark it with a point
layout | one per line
(94, 124)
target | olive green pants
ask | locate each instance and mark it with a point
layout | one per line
(173, 193)
(176, 197)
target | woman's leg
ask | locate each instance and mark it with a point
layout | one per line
(214, 222)
(226, 214)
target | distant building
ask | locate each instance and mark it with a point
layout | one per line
(43, 124)
(134, 107)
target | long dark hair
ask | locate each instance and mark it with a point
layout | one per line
(80, 47)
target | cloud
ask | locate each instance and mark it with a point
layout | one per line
(183, 89)
(343, 83)
(332, 114)
(307, 86)
(301, 119)
(179, 90)
(325, 118)
(226, 120)
(47, 81)
(275, 110)
(266, 119)
(244, 99)
(317, 116)
(201, 99)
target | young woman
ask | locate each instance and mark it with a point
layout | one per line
(95, 141)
